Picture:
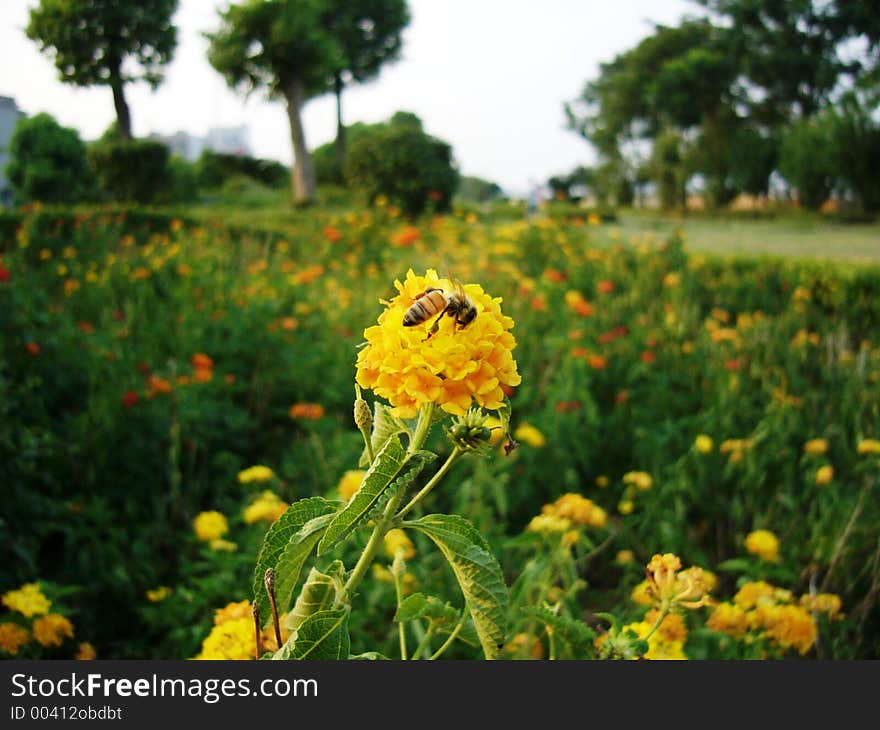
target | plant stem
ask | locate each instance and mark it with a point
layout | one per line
(455, 632)
(551, 640)
(664, 610)
(384, 523)
(441, 472)
(401, 626)
(425, 643)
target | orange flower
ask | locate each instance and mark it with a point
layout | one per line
(158, 385)
(307, 411)
(201, 360)
(604, 286)
(406, 236)
(647, 357)
(554, 275)
(597, 362)
(332, 234)
(203, 375)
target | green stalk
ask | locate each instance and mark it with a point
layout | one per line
(384, 523)
(455, 632)
(441, 472)
(398, 589)
(424, 643)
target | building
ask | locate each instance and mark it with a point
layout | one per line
(9, 116)
(224, 140)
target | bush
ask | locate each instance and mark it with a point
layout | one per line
(806, 160)
(131, 170)
(410, 168)
(48, 162)
(213, 169)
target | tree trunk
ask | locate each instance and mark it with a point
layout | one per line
(305, 187)
(123, 116)
(340, 127)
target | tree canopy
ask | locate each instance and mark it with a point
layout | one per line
(106, 42)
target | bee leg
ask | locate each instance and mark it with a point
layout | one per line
(434, 327)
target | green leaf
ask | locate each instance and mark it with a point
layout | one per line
(735, 565)
(368, 655)
(318, 593)
(385, 426)
(322, 636)
(279, 535)
(290, 563)
(477, 571)
(575, 633)
(393, 469)
(411, 607)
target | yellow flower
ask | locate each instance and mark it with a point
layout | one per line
(786, 626)
(257, 473)
(548, 524)
(397, 540)
(350, 483)
(669, 585)
(764, 544)
(156, 595)
(624, 557)
(268, 507)
(211, 525)
(52, 629)
(640, 479)
(869, 446)
(828, 603)
(452, 368)
(625, 506)
(824, 475)
(13, 637)
(233, 639)
(816, 447)
(27, 600)
(530, 435)
(658, 646)
(730, 619)
(704, 443)
(641, 595)
(755, 593)
(602, 481)
(85, 652)
(578, 509)
(232, 611)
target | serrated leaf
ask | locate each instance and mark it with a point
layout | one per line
(277, 538)
(477, 571)
(322, 636)
(384, 427)
(575, 633)
(411, 607)
(418, 605)
(392, 470)
(290, 563)
(317, 594)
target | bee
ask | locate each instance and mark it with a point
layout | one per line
(433, 301)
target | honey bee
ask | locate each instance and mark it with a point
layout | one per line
(433, 301)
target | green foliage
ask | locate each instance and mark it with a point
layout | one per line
(48, 162)
(323, 636)
(213, 169)
(392, 470)
(410, 168)
(106, 42)
(319, 593)
(290, 539)
(132, 171)
(477, 571)
(855, 151)
(806, 159)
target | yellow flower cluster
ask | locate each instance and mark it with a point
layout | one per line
(157, 595)
(736, 448)
(765, 611)
(453, 368)
(639, 479)
(764, 544)
(397, 540)
(816, 447)
(267, 507)
(52, 629)
(256, 473)
(579, 510)
(704, 443)
(530, 435)
(210, 525)
(668, 586)
(28, 600)
(869, 447)
(233, 634)
(548, 524)
(13, 637)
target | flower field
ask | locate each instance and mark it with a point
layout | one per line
(647, 452)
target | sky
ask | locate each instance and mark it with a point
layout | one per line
(490, 77)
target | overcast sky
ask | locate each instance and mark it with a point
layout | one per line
(488, 76)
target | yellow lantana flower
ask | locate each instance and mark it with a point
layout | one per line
(452, 368)
(13, 637)
(27, 600)
(52, 629)
(397, 539)
(267, 507)
(350, 483)
(210, 525)
(530, 435)
(764, 544)
(258, 473)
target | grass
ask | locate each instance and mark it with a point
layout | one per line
(801, 236)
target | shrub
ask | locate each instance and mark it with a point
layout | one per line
(48, 162)
(131, 170)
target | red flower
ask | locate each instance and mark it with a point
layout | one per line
(648, 357)
(5, 274)
(33, 348)
(129, 399)
(332, 234)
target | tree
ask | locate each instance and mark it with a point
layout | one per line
(47, 162)
(806, 159)
(369, 36)
(100, 42)
(285, 48)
